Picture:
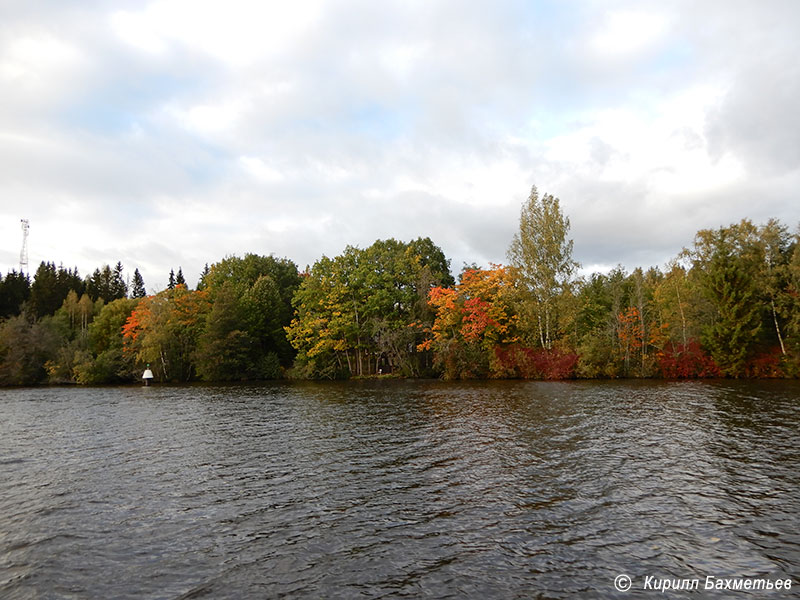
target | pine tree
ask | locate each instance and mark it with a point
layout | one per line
(171, 281)
(179, 280)
(137, 289)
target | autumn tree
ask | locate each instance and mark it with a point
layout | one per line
(163, 331)
(364, 311)
(541, 255)
(474, 324)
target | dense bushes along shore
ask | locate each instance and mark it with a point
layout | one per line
(728, 306)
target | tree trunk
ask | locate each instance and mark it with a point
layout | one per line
(777, 328)
(541, 328)
(683, 317)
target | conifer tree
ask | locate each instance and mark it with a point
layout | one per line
(119, 289)
(202, 284)
(171, 281)
(179, 279)
(137, 288)
(729, 263)
(15, 289)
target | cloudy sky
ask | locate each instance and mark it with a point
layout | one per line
(175, 132)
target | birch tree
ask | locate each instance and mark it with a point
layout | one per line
(541, 255)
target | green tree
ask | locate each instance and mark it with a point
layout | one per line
(106, 361)
(263, 287)
(321, 329)
(789, 303)
(729, 265)
(107, 284)
(25, 348)
(50, 287)
(777, 248)
(201, 283)
(365, 311)
(179, 279)
(137, 287)
(15, 289)
(225, 350)
(119, 289)
(541, 255)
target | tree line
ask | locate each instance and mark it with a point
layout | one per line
(727, 306)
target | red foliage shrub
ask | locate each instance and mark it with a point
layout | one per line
(766, 365)
(527, 363)
(679, 361)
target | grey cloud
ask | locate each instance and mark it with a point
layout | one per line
(343, 125)
(758, 119)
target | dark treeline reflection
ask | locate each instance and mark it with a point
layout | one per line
(728, 306)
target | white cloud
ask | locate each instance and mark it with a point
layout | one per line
(178, 131)
(627, 32)
(260, 170)
(238, 32)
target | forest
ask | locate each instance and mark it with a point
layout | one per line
(727, 306)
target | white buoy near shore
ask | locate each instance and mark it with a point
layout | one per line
(147, 376)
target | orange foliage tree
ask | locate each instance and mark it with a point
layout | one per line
(163, 329)
(472, 320)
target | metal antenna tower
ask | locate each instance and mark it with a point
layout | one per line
(23, 254)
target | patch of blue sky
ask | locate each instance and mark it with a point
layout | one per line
(675, 56)
(375, 120)
(99, 118)
(540, 16)
(369, 120)
(120, 103)
(207, 165)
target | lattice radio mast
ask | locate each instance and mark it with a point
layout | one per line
(23, 254)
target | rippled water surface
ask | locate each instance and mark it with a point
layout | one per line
(396, 489)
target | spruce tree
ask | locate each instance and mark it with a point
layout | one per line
(171, 281)
(179, 280)
(119, 289)
(15, 289)
(729, 263)
(137, 288)
(202, 284)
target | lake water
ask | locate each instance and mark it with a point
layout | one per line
(397, 489)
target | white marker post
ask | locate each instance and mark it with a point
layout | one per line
(147, 376)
